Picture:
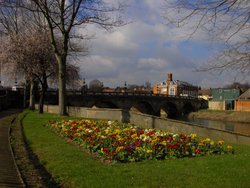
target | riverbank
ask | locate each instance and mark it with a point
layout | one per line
(231, 116)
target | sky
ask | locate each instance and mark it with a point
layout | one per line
(147, 49)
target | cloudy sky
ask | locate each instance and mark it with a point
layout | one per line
(147, 49)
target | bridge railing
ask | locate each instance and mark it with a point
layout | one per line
(118, 93)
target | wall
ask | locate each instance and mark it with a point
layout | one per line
(242, 105)
(148, 121)
(216, 105)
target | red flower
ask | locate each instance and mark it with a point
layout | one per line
(197, 151)
(140, 132)
(137, 143)
(106, 150)
(169, 139)
(151, 133)
(182, 136)
(173, 146)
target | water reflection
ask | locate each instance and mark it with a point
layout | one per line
(242, 128)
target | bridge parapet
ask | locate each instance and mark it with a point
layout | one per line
(147, 103)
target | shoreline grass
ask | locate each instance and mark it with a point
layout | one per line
(222, 115)
(72, 167)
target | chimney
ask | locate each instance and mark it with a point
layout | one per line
(170, 77)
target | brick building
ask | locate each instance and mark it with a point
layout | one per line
(172, 87)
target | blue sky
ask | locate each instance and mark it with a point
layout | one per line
(147, 49)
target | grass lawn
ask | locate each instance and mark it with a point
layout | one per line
(72, 167)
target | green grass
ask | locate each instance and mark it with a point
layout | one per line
(72, 167)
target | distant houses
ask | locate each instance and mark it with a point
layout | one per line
(223, 98)
(205, 94)
(218, 98)
(230, 99)
(173, 87)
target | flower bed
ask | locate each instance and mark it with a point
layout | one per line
(115, 141)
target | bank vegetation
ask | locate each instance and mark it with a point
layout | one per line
(230, 116)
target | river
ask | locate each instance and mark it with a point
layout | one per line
(241, 128)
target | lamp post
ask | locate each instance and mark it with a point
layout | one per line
(1, 35)
(125, 87)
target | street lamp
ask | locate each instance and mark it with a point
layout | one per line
(1, 35)
(125, 86)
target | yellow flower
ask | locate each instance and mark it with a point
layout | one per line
(229, 148)
(207, 140)
(149, 151)
(193, 136)
(118, 131)
(212, 142)
(138, 148)
(120, 148)
(134, 136)
(164, 143)
(220, 142)
(201, 144)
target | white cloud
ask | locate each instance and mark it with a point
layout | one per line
(152, 63)
(145, 50)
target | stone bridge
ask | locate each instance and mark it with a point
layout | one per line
(158, 105)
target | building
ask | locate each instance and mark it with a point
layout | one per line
(242, 103)
(205, 94)
(172, 87)
(223, 98)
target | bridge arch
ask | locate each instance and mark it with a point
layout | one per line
(187, 108)
(143, 107)
(169, 110)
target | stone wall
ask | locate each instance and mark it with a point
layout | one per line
(148, 121)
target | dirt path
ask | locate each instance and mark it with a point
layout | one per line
(9, 174)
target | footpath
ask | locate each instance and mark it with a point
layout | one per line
(9, 174)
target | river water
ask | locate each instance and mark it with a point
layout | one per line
(241, 128)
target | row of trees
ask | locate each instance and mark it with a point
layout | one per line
(40, 34)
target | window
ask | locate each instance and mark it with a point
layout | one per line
(164, 90)
(172, 91)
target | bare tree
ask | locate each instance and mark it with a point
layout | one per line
(226, 21)
(10, 17)
(31, 54)
(62, 18)
(29, 49)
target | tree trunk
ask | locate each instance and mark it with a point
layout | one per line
(42, 93)
(32, 95)
(62, 85)
(24, 95)
(41, 101)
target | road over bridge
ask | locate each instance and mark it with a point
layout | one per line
(158, 105)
